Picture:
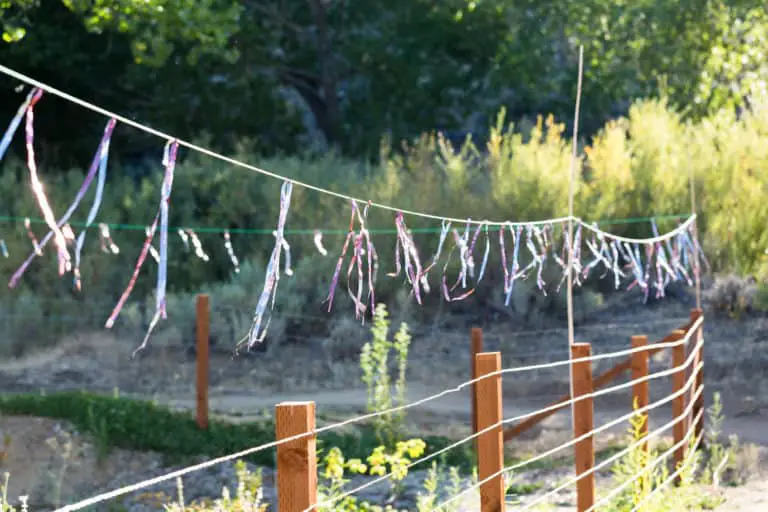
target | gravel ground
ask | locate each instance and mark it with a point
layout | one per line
(735, 363)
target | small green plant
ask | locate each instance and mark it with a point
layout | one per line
(64, 447)
(379, 463)
(634, 463)
(248, 496)
(100, 431)
(331, 485)
(645, 489)
(720, 457)
(425, 502)
(4, 505)
(374, 363)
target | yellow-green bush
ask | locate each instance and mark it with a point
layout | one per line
(636, 166)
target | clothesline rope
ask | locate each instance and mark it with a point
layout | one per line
(237, 163)
(325, 231)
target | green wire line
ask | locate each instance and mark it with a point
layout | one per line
(253, 231)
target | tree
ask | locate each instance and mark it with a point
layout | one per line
(155, 26)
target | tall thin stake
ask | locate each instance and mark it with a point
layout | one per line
(696, 265)
(574, 158)
(203, 363)
(572, 178)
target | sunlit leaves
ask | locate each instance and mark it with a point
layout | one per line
(156, 26)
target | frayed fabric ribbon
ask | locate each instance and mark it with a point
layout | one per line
(33, 96)
(231, 252)
(107, 244)
(103, 157)
(362, 245)
(258, 330)
(169, 160)
(64, 259)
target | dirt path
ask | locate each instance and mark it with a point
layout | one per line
(331, 405)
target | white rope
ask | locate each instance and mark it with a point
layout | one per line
(602, 428)
(387, 476)
(203, 465)
(237, 163)
(656, 461)
(585, 327)
(173, 475)
(671, 477)
(685, 414)
(652, 376)
(609, 355)
(90, 106)
(666, 236)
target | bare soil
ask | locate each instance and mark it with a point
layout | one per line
(244, 387)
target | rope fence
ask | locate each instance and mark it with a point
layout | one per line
(603, 428)
(689, 390)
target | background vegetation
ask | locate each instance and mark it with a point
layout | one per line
(426, 106)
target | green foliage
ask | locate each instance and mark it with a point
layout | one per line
(5, 506)
(380, 462)
(635, 167)
(733, 295)
(144, 426)
(333, 74)
(248, 495)
(687, 493)
(720, 458)
(436, 478)
(374, 363)
(155, 26)
(141, 425)
(761, 297)
(426, 501)
(636, 463)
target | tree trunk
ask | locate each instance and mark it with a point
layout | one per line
(329, 86)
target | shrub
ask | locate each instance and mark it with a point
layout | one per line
(637, 166)
(732, 295)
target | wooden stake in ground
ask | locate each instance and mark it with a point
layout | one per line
(571, 179)
(202, 358)
(680, 428)
(640, 389)
(583, 423)
(490, 445)
(476, 346)
(296, 460)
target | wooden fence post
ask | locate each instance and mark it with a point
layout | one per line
(490, 445)
(678, 404)
(202, 359)
(583, 424)
(640, 389)
(296, 460)
(699, 380)
(476, 346)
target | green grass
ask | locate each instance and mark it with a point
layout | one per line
(132, 424)
(118, 422)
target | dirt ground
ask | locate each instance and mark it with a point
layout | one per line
(735, 364)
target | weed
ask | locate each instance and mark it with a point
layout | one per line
(64, 447)
(374, 363)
